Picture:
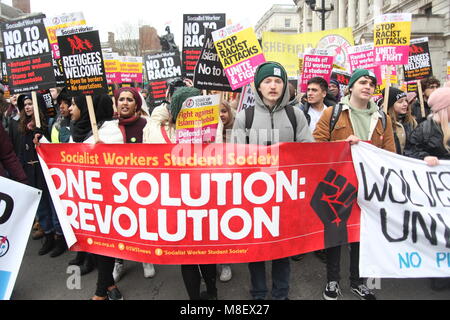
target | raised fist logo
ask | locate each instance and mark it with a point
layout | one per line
(333, 201)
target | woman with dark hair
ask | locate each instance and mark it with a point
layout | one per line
(132, 123)
(109, 132)
(54, 241)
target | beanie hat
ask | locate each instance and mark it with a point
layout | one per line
(269, 69)
(134, 92)
(358, 73)
(40, 101)
(335, 82)
(439, 99)
(179, 97)
(394, 95)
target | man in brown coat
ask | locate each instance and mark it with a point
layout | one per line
(358, 120)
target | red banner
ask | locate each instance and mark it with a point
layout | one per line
(212, 203)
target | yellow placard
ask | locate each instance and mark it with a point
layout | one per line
(238, 47)
(285, 48)
(197, 117)
(391, 34)
(112, 66)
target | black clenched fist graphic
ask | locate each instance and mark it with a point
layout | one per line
(332, 201)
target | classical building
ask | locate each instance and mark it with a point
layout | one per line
(280, 18)
(431, 18)
(8, 13)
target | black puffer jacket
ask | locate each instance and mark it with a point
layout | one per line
(426, 140)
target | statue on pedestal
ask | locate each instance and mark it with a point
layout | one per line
(168, 41)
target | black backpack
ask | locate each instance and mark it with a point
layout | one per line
(337, 109)
(250, 114)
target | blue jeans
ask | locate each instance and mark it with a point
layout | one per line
(46, 214)
(281, 271)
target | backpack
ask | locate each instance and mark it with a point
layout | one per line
(250, 114)
(337, 109)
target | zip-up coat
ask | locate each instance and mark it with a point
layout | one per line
(271, 126)
(427, 140)
(379, 137)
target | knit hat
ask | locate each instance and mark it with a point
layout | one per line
(269, 69)
(358, 73)
(40, 100)
(179, 97)
(134, 92)
(439, 99)
(335, 82)
(394, 95)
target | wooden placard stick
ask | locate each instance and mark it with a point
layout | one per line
(386, 89)
(422, 104)
(91, 110)
(37, 117)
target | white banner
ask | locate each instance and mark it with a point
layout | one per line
(405, 215)
(18, 205)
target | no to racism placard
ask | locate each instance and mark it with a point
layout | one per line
(392, 33)
(82, 60)
(198, 120)
(28, 55)
(160, 68)
(203, 203)
(194, 36)
(405, 221)
(239, 52)
(18, 205)
(419, 61)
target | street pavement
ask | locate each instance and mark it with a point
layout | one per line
(45, 278)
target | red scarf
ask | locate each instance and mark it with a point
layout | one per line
(123, 122)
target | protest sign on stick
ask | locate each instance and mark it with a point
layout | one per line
(209, 73)
(160, 68)
(392, 33)
(28, 58)
(386, 89)
(52, 24)
(316, 63)
(198, 119)
(195, 28)
(239, 52)
(83, 65)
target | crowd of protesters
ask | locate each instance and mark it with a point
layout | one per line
(407, 131)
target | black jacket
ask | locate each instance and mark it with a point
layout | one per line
(426, 140)
(417, 113)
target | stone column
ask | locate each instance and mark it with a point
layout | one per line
(351, 13)
(377, 7)
(363, 11)
(342, 12)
